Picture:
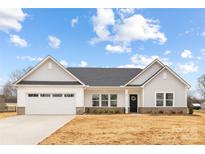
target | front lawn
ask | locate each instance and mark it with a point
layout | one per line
(6, 114)
(131, 129)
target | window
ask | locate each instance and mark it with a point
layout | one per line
(45, 95)
(95, 99)
(104, 100)
(57, 95)
(169, 99)
(159, 99)
(68, 95)
(32, 95)
(164, 99)
(113, 100)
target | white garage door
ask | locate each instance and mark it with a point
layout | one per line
(50, 103)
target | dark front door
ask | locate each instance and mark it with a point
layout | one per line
(133, 103)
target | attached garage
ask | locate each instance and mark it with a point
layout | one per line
(50, 103)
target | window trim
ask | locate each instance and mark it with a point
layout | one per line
(160, 99)
(112, 100)
(33, 94)
(100, 99)
(164, 100)
(70, 95)
(56, 95)
(108, 99)
(44, 95)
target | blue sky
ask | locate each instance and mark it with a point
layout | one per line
(104, 37)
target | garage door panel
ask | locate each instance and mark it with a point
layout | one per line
(50, 105)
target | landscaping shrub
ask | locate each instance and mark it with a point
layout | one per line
(111, 111)
(180, 112)
(105, 111)
(173, 112)
(100, 111)
(153, 112)
(191, 110)
(95, 111)
(161, 112)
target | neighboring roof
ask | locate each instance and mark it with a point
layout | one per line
(49, 83)
(93, 76)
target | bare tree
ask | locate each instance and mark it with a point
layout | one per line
(201, 83)
(8, 89)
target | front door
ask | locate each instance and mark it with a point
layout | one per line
(133, 103)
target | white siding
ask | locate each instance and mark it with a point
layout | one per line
(139, 96)
(170, 84)
(23, 91)
(43, 73)
(50, 105)
(120, 95)
(147, 74)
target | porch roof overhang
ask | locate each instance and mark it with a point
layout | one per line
(113, 87)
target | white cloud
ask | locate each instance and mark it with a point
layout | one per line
(137, 28)
(131, 27)
(18, 41)
(141, 48)
(167, 52)
(54, 42)
(64, 62)
(117, 49)
(141, 61)
(199, 58)
(202, 52)
(83, 64)
(194, 92)
(186, 68)
(10, 19)
(203, 34)
(29, 58)
(128, 66)
(103, 19)
(186, 54)
(125, 12)
(74, 21)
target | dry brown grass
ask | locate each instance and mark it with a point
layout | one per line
(131, 129)
(6, 114)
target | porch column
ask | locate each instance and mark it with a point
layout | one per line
(126, 101)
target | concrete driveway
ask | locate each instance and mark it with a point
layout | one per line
(30, 129)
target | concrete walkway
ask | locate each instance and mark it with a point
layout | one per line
(30, 129)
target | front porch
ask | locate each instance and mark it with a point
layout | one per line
(128, 100)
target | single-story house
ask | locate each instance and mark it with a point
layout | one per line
(51, 88)
(8, 104)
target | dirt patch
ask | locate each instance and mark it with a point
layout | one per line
(131, 129)
(7, 114)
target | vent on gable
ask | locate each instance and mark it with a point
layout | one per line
(164, 75)
(50, 66)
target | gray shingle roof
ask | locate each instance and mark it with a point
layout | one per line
(104, 76)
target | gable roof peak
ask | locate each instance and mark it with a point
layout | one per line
(42, 62)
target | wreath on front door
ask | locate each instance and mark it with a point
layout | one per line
(133, 98)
